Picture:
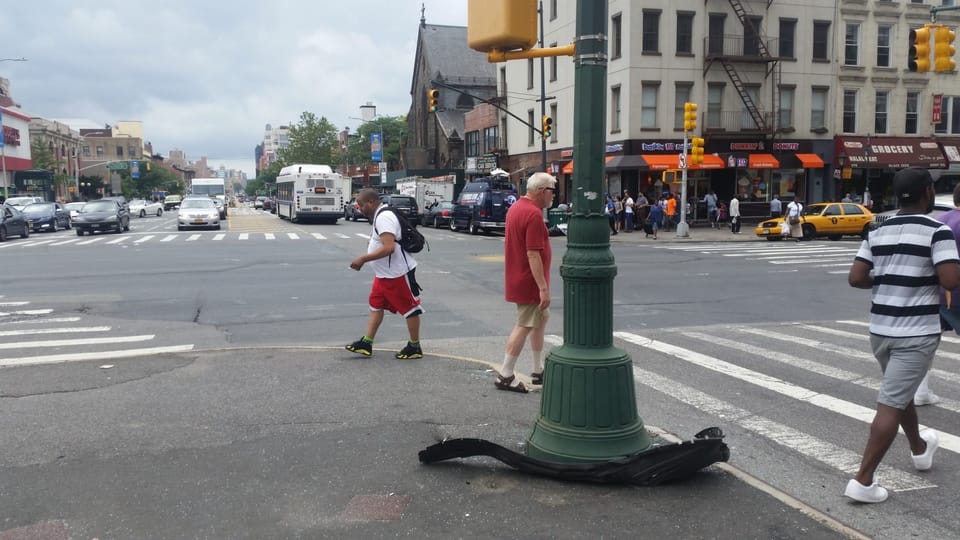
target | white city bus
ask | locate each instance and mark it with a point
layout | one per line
(311, 192)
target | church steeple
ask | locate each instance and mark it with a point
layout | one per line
(423, 16)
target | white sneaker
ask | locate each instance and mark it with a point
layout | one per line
(924, 461)
(865, 494)
(926, 399)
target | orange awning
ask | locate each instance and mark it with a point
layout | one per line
(663, 162)
(763, 161)
(810, 161)
(568, 168)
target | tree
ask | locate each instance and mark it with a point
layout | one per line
(358, 147)
(312, 140)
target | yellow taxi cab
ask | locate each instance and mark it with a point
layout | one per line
(830, 219)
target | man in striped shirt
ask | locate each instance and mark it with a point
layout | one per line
(905, 261)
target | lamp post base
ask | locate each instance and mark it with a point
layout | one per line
(683, 229)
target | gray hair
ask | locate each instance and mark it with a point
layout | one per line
(540, 180)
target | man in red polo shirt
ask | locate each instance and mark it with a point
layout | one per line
(527, 278)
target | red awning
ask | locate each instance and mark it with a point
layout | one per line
(568, 168)
(663, 162)
(893, 152)
(810, 161)
(762, 161)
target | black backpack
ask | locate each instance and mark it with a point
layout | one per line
(410, 239)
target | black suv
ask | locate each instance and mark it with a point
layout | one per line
(404, 204)
(482, 205)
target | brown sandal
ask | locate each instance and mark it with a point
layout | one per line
(506, 383)
(536, 378)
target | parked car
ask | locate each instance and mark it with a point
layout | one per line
(405, 204)
(438, 215)
(352, 212)
(20, 202)
(47, 216)
(171, 202)
(74, 208)
(482, 205)
(942, 203)
(102, 215)
(830, 219)
(144, 208)
(12, 221)
(198, 212)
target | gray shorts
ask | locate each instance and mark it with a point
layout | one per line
(904, 362)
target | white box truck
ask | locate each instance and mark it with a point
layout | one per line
(427, 191)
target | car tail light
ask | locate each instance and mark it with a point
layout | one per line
(483, 212)
(445, 213)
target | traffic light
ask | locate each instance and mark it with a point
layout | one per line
(696, 151)
(689, 116)
(433, 95)
(943, 49)
(919, 59)
(547, 128)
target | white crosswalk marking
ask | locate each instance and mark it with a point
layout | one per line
(35, 331)
(817, 255)
(13, 303)
(318, 236)
(124, 239)
(98, 355)
(91, 241)
(269, 236)
(26, 312)
(293, 236)
(169, 238)
(144, 239)
(74, 342)
(218, 237)
(341, 235)
(193, 238)
(65, 242)
(244, 236)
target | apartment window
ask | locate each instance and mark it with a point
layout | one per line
(715, 33)
(648, 105)
(529, 73)
(616, 35)
(651, 31)
(503, 82)
(531, 133)
(849, 111)
(851, 45)
(880, 112)
(714, 106)
(883, 45)
(821, 39)
(913, 113)
(86, 151)
(490, 139)
(553, 9)
(99, 151)
(786, 106)
(684, 33)
(132, 151)
(615, 109)
(120, 151)
(553, 114)
(681, 94)
(553, 65)
(788, 36)
(818, 108)
(473, 144)
(950, 116)
(746, 119)
(751, 36)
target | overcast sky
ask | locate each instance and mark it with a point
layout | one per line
(206, 76)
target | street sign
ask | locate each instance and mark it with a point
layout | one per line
(1, 128)
(376, 147)
(683, 161)
(134, 169)
(117, 166)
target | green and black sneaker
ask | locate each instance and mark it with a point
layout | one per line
(361, 346)
(410, 352)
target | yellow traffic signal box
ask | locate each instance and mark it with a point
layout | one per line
(943, 50)
(502, 25)
(919, 59)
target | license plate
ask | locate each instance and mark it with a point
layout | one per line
(95, 226)
(198, 221)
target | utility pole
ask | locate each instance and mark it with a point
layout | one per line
(543, 99)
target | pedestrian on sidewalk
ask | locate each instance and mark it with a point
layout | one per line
(656, 216)
(628, 204)
(621, 215)
(527, 279)
(710, 199)
(394, 287)
(901, 262)
(735, 215)
(721, 214)
(794, 219)
(611, 211)
(775, 207)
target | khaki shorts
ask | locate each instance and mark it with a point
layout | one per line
(531, 316)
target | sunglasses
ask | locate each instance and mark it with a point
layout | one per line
(550, 189)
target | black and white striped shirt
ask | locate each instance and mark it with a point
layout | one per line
(903, 253)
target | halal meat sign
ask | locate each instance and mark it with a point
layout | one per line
(937, 108)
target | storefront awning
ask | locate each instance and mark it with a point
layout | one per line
(892, 152)
(663, 162)
(568, 168)
(627, 162)
(810, 161)
(762, 161)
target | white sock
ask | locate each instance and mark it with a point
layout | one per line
(509, 363)
(537, 361)
(924, 387)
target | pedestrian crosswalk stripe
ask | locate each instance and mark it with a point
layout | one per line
(244, 236)
(341, 235)
(65, 242)
(26, 312)
(97, 355)
(193, 238)
(218, 237)
(144, 239)
(68, 330)
(169, 238)
(864, 337)
(269, 236)
(13, 303)
(827, 453)
(809, 261)
(74, 342)
(119, 240)
(945, 337)
(36, 243)
(364, 236)
(851, 410)
(91, 241)
(293, 236)
(752, 253)
(44, 321)
(793, 256)
(318, 236)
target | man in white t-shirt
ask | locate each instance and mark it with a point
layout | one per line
(628, 209)
(394, 286)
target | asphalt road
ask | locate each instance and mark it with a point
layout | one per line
(763, 339)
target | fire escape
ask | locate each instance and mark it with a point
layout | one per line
(751, 49)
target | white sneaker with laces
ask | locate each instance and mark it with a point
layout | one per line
(926, 399)
(865, 494)
(924, 461)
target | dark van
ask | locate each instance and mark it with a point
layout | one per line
(482, 205)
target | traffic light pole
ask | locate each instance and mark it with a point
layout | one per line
(683, 228)
(543, 100)
(588, 410)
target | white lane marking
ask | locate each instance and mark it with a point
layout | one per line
(269, 236)
(75, 342)
(44, 321)
(124, 239)
(825, 452)
(809, 261)
(244, 236)
(365, 236)
(948, 441)
(99, 355)
(834, 265)
(34, 331)
(866, 337)
(65, 242)
(293, 236)
(839, 272)
(193, 238)
(13, 303)
(91, 241)
(144, 239)
(318, 236)
(793, 256)
(827, 251)
(341, 235)
(944, 337)
(37, 243)
(26, 312)
(169, 238)
(218, 236)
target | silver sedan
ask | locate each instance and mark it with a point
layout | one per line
(198, 213)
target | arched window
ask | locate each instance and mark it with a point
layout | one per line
(464, 102)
